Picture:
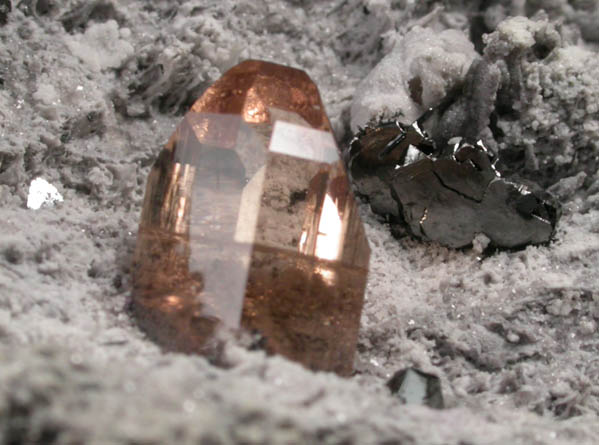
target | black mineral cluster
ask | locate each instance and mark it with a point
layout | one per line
(446, 192)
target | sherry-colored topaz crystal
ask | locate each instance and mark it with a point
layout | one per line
(249, 220)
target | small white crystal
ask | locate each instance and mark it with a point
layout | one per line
(42, 193)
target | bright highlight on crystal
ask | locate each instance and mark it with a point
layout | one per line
(42, 194)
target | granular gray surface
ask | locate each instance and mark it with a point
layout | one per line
(89, 91)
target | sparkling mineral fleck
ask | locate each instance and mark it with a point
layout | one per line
(249, 221)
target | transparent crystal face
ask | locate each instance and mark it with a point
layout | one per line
(252, 224)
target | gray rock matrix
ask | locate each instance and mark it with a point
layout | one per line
(89, 92)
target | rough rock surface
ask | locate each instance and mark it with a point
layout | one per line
(421, 70)
(512, 335)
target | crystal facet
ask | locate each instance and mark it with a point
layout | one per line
(413, 386)
(249, 220)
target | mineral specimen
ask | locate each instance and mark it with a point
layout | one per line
(413, 386)
(448, 195)
(42, 194)
(249, 220)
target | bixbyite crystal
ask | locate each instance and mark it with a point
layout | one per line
(249, 220)
(448, 193)
(415, 387)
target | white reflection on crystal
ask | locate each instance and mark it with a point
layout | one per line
(328, 276)
(329, 231)
(305, 143)
(42, 194)
(173, 300)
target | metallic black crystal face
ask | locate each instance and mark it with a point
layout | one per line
(449, 195)
(415, 387)
(374, 155)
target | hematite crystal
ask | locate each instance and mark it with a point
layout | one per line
(448, 195)
(413, 386)
(249, 219)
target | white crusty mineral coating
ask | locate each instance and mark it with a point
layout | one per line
(101, 46)
(559, 101)
(438, 61)
(513, 336)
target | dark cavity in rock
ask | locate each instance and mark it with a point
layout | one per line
(5, 8)
(84, 126)
(99, 11)
(36, 8)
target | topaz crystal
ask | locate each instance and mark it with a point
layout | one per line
(249, 221)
